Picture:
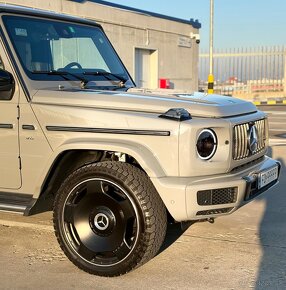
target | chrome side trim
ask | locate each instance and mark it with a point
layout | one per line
(108, 131)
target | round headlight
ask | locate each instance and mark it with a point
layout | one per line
(206, 144)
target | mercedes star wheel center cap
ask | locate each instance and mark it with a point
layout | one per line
(101, 221)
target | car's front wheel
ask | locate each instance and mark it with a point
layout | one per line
(108, 218)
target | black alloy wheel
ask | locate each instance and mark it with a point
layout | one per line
(109, 218)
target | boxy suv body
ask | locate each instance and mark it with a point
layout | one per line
(113, 163)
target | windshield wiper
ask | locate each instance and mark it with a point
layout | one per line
(108, 76)
(83, 81)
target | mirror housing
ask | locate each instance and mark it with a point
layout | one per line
(7, 85)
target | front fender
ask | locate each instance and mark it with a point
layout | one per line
(144, 156)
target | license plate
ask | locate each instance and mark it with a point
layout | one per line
(267, 176)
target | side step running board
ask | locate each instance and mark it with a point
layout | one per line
(14, 208)
(14, 202)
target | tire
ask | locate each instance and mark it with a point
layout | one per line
(109, 218)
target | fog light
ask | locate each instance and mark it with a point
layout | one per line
(206, 144)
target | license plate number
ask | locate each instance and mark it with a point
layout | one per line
(267, 176)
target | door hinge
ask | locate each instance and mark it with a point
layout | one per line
(20, 163)
(18, 107)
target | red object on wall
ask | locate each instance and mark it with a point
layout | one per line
(164, 83)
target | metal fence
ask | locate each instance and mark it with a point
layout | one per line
(249, 73)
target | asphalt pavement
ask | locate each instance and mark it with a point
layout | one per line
(277, 122)
(246, 250)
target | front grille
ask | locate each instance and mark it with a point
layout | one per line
(241, 148)
(217, 196)
(215, 211)
(248, 164)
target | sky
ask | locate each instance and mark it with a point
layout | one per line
(237, 24)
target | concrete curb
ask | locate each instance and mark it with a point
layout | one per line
(281, 102)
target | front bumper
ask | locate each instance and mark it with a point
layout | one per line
(180, 195)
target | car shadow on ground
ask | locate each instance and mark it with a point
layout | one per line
(174, 232)
(272, 232)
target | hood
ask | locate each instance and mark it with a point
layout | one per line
(197, 104)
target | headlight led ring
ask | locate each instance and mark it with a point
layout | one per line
(206, 144)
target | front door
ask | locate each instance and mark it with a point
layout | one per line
(10, 175)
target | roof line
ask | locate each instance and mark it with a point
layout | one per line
(195, 23)
(25, 10)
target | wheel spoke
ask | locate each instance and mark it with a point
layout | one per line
(69, 213)
(85, 252)
(95, 193)
(122, 251)
(94, 187)
(127, 209)
(100, 244)
(91, 195)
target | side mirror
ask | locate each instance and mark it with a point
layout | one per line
(7, 85)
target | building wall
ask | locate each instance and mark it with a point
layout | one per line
(130, 30)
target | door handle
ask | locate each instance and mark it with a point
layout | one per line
(28, 127)
(6, 126)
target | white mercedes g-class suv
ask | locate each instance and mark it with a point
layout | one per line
(114, 164)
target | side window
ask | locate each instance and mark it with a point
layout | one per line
(7, 84)
(1, 64)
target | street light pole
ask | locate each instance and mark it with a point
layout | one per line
(211, 76)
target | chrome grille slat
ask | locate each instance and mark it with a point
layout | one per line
(260, 135)
(257, 123)
(247, 151)
(240, 139)
(262, 144)
(239, 143)
(235, 142)
(244, 137)
(243, 143)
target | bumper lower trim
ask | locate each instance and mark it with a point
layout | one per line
(252, 190)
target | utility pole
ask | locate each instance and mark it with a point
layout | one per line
(284, 84)
(211, 76)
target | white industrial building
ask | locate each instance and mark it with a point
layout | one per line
(152, 46)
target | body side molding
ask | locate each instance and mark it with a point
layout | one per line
(108, 131)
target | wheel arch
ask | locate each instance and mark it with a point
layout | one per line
(73, 156)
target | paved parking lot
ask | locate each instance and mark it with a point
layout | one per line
(246, 250)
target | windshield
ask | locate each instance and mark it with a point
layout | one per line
(47, 47)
